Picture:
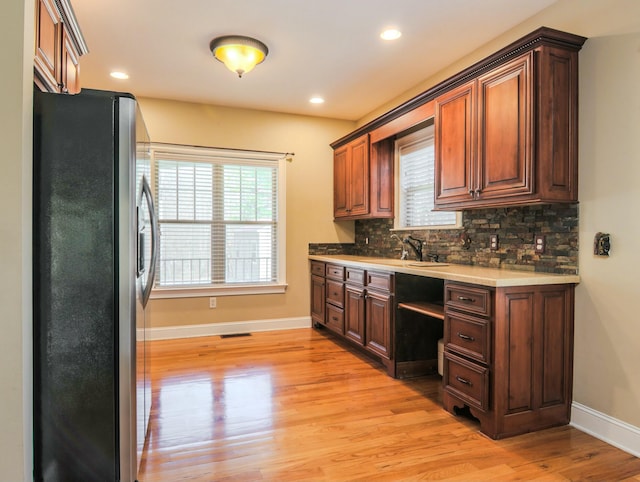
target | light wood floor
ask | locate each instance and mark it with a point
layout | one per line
(297, 406)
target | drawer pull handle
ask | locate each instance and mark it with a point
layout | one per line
(464, 380)
(334, 318)
(465, 299)
(466, 337)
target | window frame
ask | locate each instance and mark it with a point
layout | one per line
(413, 137)
(182, 152)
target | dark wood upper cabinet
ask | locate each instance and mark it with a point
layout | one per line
(58, 47)
(363, 179)
(506, 127)
(455, 140)
(504, 156)
(516, 140)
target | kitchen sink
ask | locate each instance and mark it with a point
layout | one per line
(425, 264)
(402, 262)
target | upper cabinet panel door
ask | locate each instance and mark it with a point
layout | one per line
(48, 28)
(454, 128)
(70, 66)
(504, 130)
(340, 182)
(359, 177)
(351, 179)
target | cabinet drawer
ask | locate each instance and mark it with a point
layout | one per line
(335, 293)
(317, 268)
(334, 271)
(355, 276)
(467, 381)
(473, 299)
(468, 336)
(335, 319)
(380, 281)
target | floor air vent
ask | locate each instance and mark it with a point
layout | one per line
(235, 335)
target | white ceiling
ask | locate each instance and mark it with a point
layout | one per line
(329, 48)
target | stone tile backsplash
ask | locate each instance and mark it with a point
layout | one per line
(515, 227)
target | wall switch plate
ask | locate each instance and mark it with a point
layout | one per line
(212, 302)
(493, 242)
(539, 243)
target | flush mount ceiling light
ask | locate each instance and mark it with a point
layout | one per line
(316, 100)
(240, 54)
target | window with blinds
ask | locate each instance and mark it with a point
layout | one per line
(415, 156)
(218, 217)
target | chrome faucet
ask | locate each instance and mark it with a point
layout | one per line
(416, 246)
(405, 253)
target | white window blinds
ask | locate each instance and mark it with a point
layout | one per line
(416, 170)
(218, 219)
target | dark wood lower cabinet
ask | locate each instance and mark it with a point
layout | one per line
(354, 308)
(508, 351)
(526, 381)
(379, 312)
(356, 304)
(318, 301)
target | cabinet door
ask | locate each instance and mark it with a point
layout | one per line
(47, 51)
(504, 156)
(351, 179)
(70, 67)
(378, 322)
(340, 180)
(317, 299)
(381, 191)
(354, 311)
(359, 177)
(534, 344)
(455, 143)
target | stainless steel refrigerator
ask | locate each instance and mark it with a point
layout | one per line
(93, 265)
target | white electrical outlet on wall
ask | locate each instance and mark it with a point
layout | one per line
(212, 302)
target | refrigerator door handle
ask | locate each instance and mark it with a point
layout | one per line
(146, 193)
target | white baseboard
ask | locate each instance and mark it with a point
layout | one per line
(210, 329)
(611, 430)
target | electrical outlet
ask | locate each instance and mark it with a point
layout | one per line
(212, 302)
(493, 242)
(539, 243)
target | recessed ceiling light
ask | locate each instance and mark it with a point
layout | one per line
(119, 75)
(316, 100)
(391, 34)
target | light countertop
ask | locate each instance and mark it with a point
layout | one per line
(453, 272)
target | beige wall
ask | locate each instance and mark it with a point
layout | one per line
(16, 92)
(607, 336)
(309, 192)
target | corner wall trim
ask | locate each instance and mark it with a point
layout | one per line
(606, 428)
(211, 329)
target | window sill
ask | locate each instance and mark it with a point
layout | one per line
(205, 291)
